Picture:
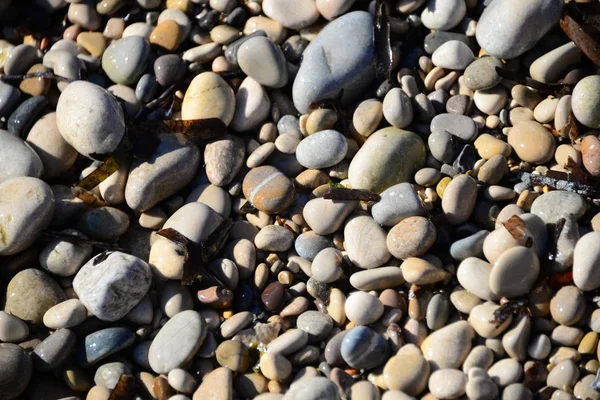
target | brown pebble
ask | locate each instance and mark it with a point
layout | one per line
(273, 296)
(93, 42)
(216, 297)
(590, 152)
(268, 189)
(166, 35)
(36, 86)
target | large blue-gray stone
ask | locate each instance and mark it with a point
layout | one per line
(342, 56)
(103, 343)
(363, 348)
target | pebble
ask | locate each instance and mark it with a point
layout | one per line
(18, 158)
(268, 189)
(471, 246)
(229, 148)
(123, 59)
(565, 374)
(201, 102)
(453, 54)
(20, 59)
(552, 66)
(586, 261)
(100, 280)
(312, 388)
(177, 341)
(390, 156)
(363, 308)
(16, 370)
(309, 244)
(377, 278)
(554, 205)
(590, 147)
(293, 15)
(322, 149)
(585, 99)
(514, 272)
(252, 106)
(263, 61)
(327, 265)
(234, 355)
(12, 329)
(365, 242)
(474, 275)
(459, 199)
(363, 348)
(340, 57)
(490, 101)
(325, 216)
(54, 350)
(10, 99)
(449, 346)
(411, 237)
(171, 167)
(108, 375)
(397, 203)
(22, 119)
(532, 142)
(103, 343)
(443, 15)
(506, 372)
(488, 146)
(505, 29)
(275, 367)
(447, 383)
(397, 108)
(316, 324)
(460, 126)
(274, 238)
(408, 372)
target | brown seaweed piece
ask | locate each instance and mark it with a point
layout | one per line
(517, 229)
(80, 238)
(126, 389)
(337, 193)
(581, 23)
(508, 308)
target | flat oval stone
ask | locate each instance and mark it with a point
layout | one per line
(586, 262)
(105, 224)
(365, 242)
(585, 101)
(397, 203)
(110, 287)
(64, 257)
(388, 157)
(274, 238)
(292, 14)
(453, 54)
(17, 158)
(316, 324)
(471, 246)
(263, 61)
(108, 375)
(123, 60)
(208, 96)
(481, 319)
(481, 74)
(171, 167)
(377, 278)
(312, 388)
(340, 57)
(22, 119)
(326, 216)
(508, 28)
(411, 237)
(223, 159)
(552, 206)
(449, 346)
(447, 383)
(327, 266)
(309, 244)
(397, 108)
(289, 342)
(104, 343)
(252, 106)
(268, 189)
(514, 272)
(213, 196)
(419, 271)
(443, 15)
(460, 126)
(177, 341)
(322, 149)
(459, 199)
(104, 122)
(363, 348)
(15, 364)
(552, 66)
(66, 314)
(474, 275)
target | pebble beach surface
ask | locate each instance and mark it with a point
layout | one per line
(309, 199)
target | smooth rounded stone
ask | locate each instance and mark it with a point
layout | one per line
(217, 384)
(274, 238)
(213, 196)
(292, 14)
(441, 146)
(104, 122)
(388, 157)
(252, 105)
(268, 189)
(30, 293)
(552, 206)
(447, 383)
(411, 237)
(209, 96)
(54, 350)
(56, 154)
(166, 35)
(567, 306)
(585, 101)
(327, 266)
(275, 367)
(171, 167)
(586, 262)
(316, 324)
(146, 88)
(340, 57)
(397, 108)
(63, 257)
(365, 242)
(175, 298)
(10, 99)
(460, 104)
(438, 311)
(491, 101)
(363, 348)
(516, 391)
(532, 142)
(320, 120)
(105, 224)
(469, 247)
(459, 199)
(66, 314)
(23, 118)
(312, 388)
(453, 54)
(377, 278)
(520, 114)
(420, 271)
(515, 340)
(18, 158)
(263, 61)
(460, 126)
(367, 116)
(481, 388)
(104, 343)
(514, 272)
(506, 372)
(488, 146)
(235, 323)
(479, 357)
(482, 317)
(20, 58)
(584, 389)
(234, 355)
(363, 308)
(326, 216)
(12, 329)
(260, 155)
(508, 28)
(590, 153)
(322, 149)
(566, 335)
(123, 59)
(426, 177)
(474, 275)
(110, 286)
(108, 375)
(182, 381)
(493, 170)
(177, 341)
(539, 347)
(289, 342)
(397, 202)
(443, 15)
(16, 368)
(407, 372)
(309, 244)
(565, 374)
(169, 69)
(223, 159)
(553, 65)
(449, 346)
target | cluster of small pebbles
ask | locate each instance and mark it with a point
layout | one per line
(472, 275)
